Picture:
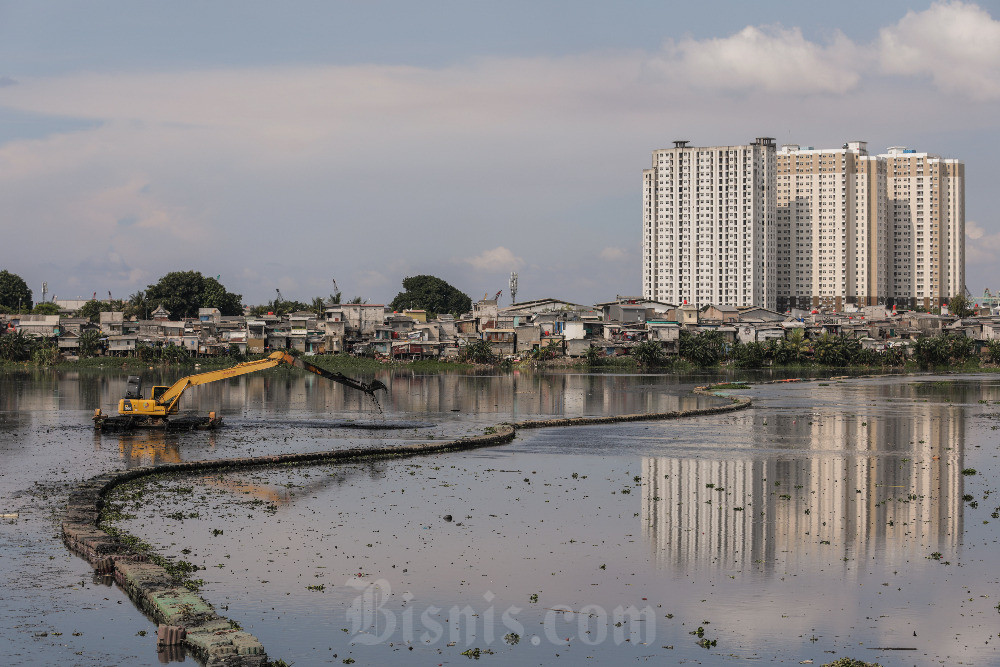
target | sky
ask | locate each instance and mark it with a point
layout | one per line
(287, 145)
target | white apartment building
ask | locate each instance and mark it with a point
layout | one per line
(708, 225)
(831, 226)
(802, 228)
(926, 195)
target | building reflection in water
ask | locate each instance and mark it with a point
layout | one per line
(889, 488)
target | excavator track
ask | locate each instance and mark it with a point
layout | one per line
(122, 423)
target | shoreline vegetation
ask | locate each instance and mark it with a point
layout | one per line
(705, 351)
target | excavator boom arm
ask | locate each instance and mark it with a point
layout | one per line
(371, 388)
(171, 396)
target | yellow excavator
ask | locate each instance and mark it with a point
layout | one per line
(154, 411)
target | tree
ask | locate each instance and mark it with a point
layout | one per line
(594, 355)
(479, 352)
(214, 295)
(15, 347)
(137, 306)
(932, 350)
(705, 349)
(749, 355)
(90, 343)
(14, 292)
(184, 292)
(318, 306)
(431, 294)
(46, 308)
(93, 309)
(283, 307)
(648, 353)
(958, 306)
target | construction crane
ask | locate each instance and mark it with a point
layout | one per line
(154, 410)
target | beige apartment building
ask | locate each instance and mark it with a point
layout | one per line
(708, 225)
(926, 196)
(832, 227)
(801, 227)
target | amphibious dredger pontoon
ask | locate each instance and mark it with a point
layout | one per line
(134, 411)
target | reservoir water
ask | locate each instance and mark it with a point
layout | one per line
(850, 517)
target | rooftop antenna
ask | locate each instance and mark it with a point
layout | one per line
(513, 287)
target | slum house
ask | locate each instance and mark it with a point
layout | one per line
(524, 310)
(724, 314)
(757, 314)
(69, 344)
(667, 334)
(625, 313)
(37, 326)
(527, 337)
(655, 310)
(687, 316)
(362, 318)
(121, 346)
(503, 342)
(112, 323)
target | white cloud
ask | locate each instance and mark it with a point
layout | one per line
(497, 259)
(770, 58)
(957, 44)
(982, 247)
(611, 254)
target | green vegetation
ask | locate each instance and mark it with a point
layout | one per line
(958, 306)
(705, 349)
(184, 292)
(479, 352)
(47, 308)
(431, 294)
(15, 297)
(16, 347)
(941, 350)
(851, 662)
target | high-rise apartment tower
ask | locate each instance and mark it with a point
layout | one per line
(832, 227)
(926, 196)
(802, 228)
(708, 225)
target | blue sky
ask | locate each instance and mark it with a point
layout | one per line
(285, 145)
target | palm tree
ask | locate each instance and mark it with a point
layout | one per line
(137, 306)
(90, 342)
(15, 347)
(648, 353)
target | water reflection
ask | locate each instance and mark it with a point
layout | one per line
(855, 486)
(522, 394)
(152, 447)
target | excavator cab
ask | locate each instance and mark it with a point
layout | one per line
(134, 387)
(133, 390)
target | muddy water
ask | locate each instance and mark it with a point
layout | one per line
(52, 611)
(842, 518)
